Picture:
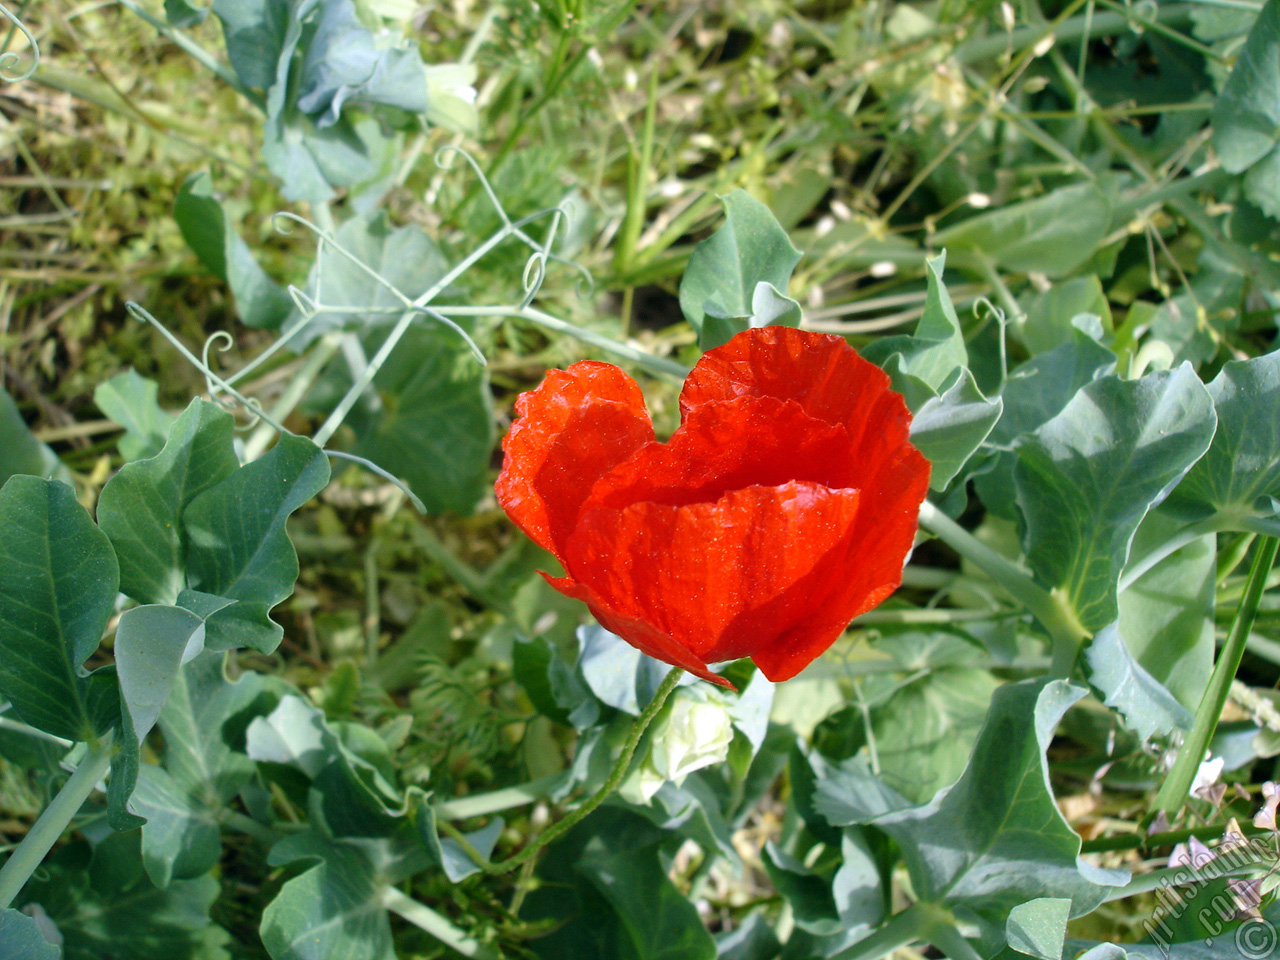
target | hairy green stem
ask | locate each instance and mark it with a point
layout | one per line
(424, 918)
(1173, 791)
(588, 806)
(53, 823)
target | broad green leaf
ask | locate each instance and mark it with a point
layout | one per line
(936, 350)
(752, 939)
(1034, 394)
(660, 922)
(181, 838)
(859, 886)
(130, 400)
(205, 225)
(997, 839)
(1048, 320)
(58, 585)
(1166, 615)
(21, 938)
(1087, 478)
(332, 910)
(948, 428)
(237, 546)
(434, 429)
(806, 890)
(1147, 707)
(617, 673)
(182, 798)
(1038, 927)
(1246, 115)
(182, 14)
(141, 506)
(105, 906)
(551, 684)
(848, 793)
(1239, 476)
(923, 730)
(21, 451)
(151, 644)
(725, 270)
(1053, 234)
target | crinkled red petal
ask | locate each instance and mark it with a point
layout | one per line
(725, 579)
(638, 633)
(576, 426)
(750, 441)
(819, 371)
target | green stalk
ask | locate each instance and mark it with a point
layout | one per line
(902, 929)
(1173, 791)
(424, 918)
(587, 807)
(53, 823)
(1053, 613)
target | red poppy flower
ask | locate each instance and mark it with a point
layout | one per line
(783, 506)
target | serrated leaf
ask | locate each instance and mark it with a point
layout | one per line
(725, 270)
(203, 221)
(58, 584)
(1147, 707)
(140, 508)
(1087, 478)
(130, 400)
(936, 350)
(949, 428)
(237, 546)
(1246, 115)
(997, 839)
(20, 451)
(1239, 476)
(332, 910)
(1053, 234)
(21, 938)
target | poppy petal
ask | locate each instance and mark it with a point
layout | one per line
(639, 634)
(723, 579)
(751, 441)
(576, 426)
(819, 371)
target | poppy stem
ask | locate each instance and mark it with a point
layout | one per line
(557, 830)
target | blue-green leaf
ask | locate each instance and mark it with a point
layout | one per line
(949, 428)
(130, 400)
(237, 546)
(58, 585)
(997, 839)
(1147, 707)
(1087, 478)
(20, 451)
(1053, 234)
(936, 350)
(719, 291)
(1246, 115)
(22, 938)
(141, 506)
(205, 225)
(1038, 927)
(1239, 476)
